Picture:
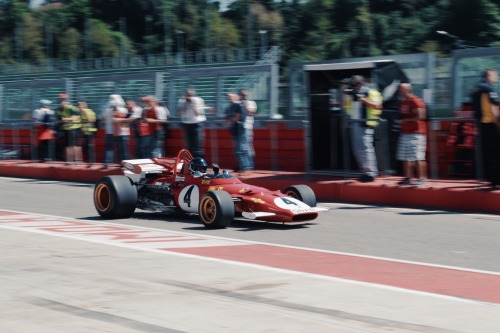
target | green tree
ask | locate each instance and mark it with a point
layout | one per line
(71, 40)
(32, 39)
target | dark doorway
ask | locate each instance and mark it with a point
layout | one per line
(328, 119)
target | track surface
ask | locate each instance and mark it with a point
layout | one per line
(431, 261)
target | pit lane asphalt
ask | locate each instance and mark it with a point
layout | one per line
(85, 286)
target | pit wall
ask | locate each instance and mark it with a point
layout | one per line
(450, 151)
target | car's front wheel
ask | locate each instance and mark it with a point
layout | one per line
(303, 193)
(115, 197)
(216, 209)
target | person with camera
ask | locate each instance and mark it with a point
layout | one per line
(191, 109)
(364, 107)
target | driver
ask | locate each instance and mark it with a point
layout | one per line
(198, 164)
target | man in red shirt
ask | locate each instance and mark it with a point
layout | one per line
(413, 138)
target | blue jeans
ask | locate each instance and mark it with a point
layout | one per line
(148, 143)
(241, 147)
(158, 144)
(194, 135)
(121, 143)
(250, 148)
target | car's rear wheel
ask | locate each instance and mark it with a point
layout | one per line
(303, 193)
(216, 209)
(115, 197)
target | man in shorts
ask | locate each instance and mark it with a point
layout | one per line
(413, 138)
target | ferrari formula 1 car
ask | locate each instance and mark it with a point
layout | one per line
(183, 184)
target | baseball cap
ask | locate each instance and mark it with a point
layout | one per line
(148, 98)
(45, 102)
(355, 79)
(63, 97)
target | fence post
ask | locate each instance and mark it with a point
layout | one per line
(384, 140)
(434, 125)
(34, 142)
(346, 123)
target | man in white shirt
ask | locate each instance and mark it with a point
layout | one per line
(191, 109)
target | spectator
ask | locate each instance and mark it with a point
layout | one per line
(486, 103)
(70, 124)
(89, 130)
(363, 102)
(192, 112)
(44, 118)
(251, 108)
(412, 140)
(117, 134)
(235, 116)
(152, 127)
(134, 116)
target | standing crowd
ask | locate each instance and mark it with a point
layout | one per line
(66, 124)
(363, 105)
(73, 127)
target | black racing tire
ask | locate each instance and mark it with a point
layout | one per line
(115, 197)
(303, 193)
(216, 209)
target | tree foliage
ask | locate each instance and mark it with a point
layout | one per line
(305, 29)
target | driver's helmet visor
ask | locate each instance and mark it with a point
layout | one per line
(200, 168)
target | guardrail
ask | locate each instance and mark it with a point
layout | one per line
(453, 145)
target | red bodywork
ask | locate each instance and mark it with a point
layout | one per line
(252, 201)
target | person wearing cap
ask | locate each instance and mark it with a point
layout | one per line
(363, 104)
(68, 129)
(117, 133)
(152, 127)
(44, 119)
(191, 109)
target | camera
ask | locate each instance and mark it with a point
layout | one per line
(349, 91)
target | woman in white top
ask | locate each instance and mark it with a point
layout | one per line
(117, 132)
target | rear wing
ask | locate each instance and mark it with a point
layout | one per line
(148, 165)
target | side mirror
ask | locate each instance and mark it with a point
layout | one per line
(197, 174)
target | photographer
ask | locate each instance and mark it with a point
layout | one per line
(362, 102)
(192, 112)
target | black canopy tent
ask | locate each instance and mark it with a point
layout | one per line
(325, 83)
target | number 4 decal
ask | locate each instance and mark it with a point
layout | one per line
(288, 202)
(187, 196)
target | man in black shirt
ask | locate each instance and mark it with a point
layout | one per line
(486, 102)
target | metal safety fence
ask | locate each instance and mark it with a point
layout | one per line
(453, 146)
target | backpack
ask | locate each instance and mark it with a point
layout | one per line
(49, 118)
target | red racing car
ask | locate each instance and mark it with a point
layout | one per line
(183, 184)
